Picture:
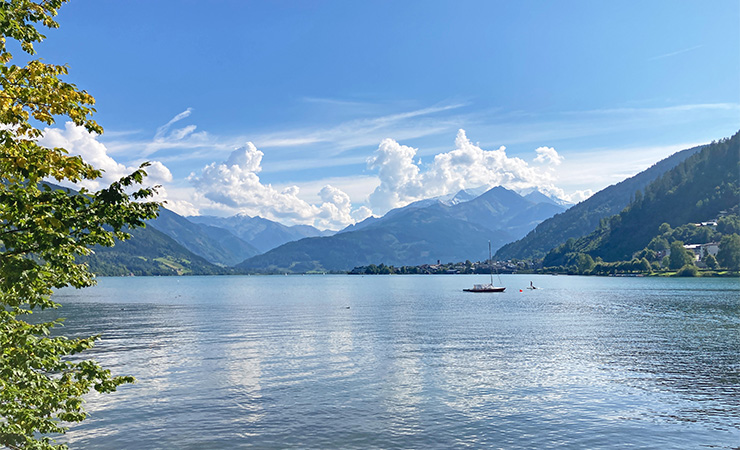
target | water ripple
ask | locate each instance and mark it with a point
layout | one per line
(267, 362)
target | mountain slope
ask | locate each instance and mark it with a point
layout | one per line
(420, 233)
(502, 209)
(260, 233)
(416, 237)
(148, 252)
(217, 245)
(584, 217)
(695, 190)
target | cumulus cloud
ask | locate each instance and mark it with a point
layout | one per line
(579, 196)
(182, 207)
(234, 183)
(548, 154)
(400, 176)
(80, 142)
(403, 181)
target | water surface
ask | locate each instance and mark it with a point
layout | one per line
(411, 362)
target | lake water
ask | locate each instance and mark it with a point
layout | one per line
(411, 362)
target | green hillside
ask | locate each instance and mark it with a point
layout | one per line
(216, 245)
(584, 217)
(148, 252)
(698, 189)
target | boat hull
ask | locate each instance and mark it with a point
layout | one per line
(491, 289)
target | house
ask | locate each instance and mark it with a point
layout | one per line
(711, 223)
(702, 250)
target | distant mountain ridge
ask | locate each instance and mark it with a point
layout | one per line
(217, 245)
(584, 217)
(262, 234)
(454, 227)
(422, 232)
(148, 252)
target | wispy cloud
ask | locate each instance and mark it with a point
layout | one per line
(184, 137)
(601, 167)
(668, 55)
(163, 129)
(341, 148)
(334, 101)
(366, 131)
(660, 110)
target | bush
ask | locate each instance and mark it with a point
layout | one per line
(689, 270)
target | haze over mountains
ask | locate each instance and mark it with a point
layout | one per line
(452, 228)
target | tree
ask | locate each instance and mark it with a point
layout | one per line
(42, 229)
(729, 224)
(729, 252)
(644, 265)
(585, 263)
(679, 256)
(658, 244)
(664, 228)
(689, 270)
(711, 261)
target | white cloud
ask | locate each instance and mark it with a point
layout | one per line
(579, 196)
(182, 207)
(402, 181)
(158, 172)
(184, 137)
(361, 213)
(548, 154)
(161, 131)
(234, 183)
(80, 142)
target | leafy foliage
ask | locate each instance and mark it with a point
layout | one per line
(42, 230)
(729, 252)
(689, 270)
(679, 256)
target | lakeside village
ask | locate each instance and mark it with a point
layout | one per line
(686, 260)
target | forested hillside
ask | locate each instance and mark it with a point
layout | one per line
(584, 217)
(699, 189)
(148, 252)
(216, 245)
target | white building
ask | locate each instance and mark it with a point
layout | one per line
(702, 250)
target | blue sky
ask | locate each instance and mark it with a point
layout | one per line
(362, 96)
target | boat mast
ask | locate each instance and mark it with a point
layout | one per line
(490, 261)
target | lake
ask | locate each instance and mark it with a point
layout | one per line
(411, 362)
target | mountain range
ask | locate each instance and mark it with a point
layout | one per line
(453, 228)
(260, 233)
(701, 188)
(422, 232)
(584, 217)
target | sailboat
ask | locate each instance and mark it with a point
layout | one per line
(487, 287)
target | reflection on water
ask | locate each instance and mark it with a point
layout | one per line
(411, 362)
